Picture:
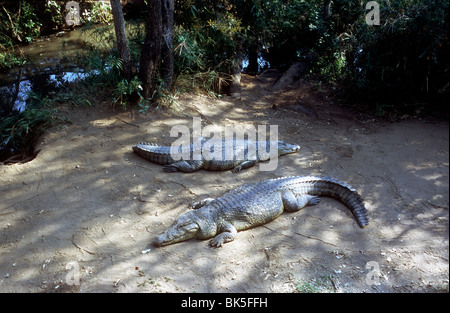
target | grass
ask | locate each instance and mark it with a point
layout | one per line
(322, 284)
(19, 131)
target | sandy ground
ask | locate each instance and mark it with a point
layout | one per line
(81, 215)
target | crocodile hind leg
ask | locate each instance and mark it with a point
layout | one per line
(292, 203)
(184, 166)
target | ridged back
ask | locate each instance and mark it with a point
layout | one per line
(317, 186)
(237, 149)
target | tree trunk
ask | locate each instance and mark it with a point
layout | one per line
(326, 9)
(121, 37)
(236, 68)
(167, 11)
(151, 49)
(253, 59)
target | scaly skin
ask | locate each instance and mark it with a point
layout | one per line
(235, 157)
(256, 204)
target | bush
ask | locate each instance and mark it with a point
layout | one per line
(19, 131)
(19, 24)
(404, 62)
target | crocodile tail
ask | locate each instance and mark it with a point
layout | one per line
(324, 186)
(154, 153)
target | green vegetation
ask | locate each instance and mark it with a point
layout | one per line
(322, 284)
(401, 64)
(398, 67)
(20, 23)
(19, 131)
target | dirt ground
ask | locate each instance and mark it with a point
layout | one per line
(81, 215)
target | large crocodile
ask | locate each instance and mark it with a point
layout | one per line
(256, 204)
(234, 155)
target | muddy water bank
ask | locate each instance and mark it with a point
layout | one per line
(46, 53)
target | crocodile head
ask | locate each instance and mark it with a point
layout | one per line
(185, 227)
(285, 148)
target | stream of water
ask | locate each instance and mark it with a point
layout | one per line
(46, 65)
(49, 66)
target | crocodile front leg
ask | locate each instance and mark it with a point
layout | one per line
(229, 233)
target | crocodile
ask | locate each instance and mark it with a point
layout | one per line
(234, 155)
(256, 204)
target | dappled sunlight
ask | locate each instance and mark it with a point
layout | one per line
(81, 213)
(87, 198)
